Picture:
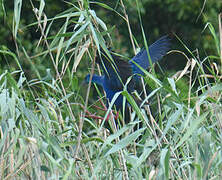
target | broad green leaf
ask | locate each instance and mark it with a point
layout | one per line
(125, 141)
(193, 126)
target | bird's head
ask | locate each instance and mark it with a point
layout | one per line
(95, 79)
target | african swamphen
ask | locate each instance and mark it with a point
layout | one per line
(117, 71)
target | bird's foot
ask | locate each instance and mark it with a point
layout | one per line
(105, 109)
(111, 114)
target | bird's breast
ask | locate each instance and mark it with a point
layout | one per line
(110, 95)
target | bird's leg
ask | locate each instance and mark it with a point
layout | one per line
(90, 115)
(103, 108)
(94, 116)
(117, 115)
(106, 109)
(103, 105)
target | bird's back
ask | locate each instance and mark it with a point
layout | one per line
(116, 71)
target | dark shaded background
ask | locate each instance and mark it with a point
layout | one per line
(181, 17)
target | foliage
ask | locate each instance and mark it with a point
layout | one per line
(45, 133)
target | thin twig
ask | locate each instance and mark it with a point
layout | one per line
(220, 33)
(82, 118)
(88, 159)
(125, 172)
(128, 24)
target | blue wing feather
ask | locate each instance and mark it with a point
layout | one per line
(156, 50)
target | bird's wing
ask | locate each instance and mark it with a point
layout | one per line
(156, 50)
(116, 71)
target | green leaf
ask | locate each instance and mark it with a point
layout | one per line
(16, 18)
(133, 104)
(164, 161)
(190, 130)
(125, 141)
